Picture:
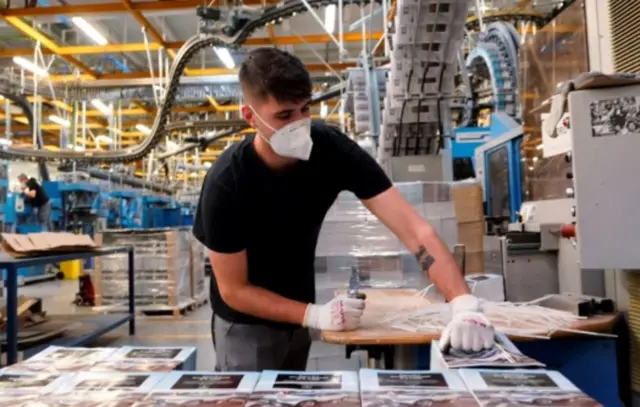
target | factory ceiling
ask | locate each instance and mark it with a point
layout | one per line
(119, 51)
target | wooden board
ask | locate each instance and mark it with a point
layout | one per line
(382, 336)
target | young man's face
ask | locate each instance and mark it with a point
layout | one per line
(269, 114)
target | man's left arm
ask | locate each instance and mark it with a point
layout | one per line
(433, 255)
(468, 329)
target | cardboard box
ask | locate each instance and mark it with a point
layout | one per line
(34, 244)
(468, 202)
(471, 235)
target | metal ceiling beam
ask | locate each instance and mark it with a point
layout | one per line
(103, 8)
(154, 46)
(46, 41)
(192, 72)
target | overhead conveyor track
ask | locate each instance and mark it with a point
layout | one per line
(495, 58)
(271, 15)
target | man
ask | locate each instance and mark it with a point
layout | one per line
(260, 211)
(37, 198)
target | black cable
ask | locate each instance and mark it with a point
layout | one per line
(396, 141)
(440, 126)
(424, 77)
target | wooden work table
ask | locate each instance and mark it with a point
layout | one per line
(382, 336)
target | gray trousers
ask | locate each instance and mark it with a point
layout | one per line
(44, 216)
(241, 347)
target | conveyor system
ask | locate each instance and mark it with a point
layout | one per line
(230, 33)
(424, 61)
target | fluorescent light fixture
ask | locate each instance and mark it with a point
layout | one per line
(530, 168)
(76, 148)
(324, 109)
(207, 164)
(102, 139)
(225, 57)
(99, 104)
(535, 159)
(142, 128)
(30, 66)
(539, 146)
(330, 18)
(89, 30)
(59, 120)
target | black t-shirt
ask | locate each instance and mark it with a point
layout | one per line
(41, 196)
(276, 216)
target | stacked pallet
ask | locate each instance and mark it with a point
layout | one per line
(169, 276)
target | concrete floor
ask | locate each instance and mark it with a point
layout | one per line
(190, 330)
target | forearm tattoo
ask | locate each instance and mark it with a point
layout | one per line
(424, 259)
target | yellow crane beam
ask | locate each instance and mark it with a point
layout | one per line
(149, 28)
(171, 46)
(108, 8)
(47, 42)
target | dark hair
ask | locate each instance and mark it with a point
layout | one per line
(271, 72)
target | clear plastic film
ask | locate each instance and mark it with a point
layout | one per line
(165, 276)
(352, 236)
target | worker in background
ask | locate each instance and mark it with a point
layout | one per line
(260, 211)
(37, 198)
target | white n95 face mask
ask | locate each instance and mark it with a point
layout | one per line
(292, 140)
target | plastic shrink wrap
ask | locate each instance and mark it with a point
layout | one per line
(163, 270)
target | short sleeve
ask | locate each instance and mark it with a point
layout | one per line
(359, 171)
(217, 222)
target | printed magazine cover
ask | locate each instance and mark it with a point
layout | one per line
(497, 388)
(91, 389)
(202, 389)
(147, 359)
(387, 388)
(306, 389)
(56, 359)
(503, 354)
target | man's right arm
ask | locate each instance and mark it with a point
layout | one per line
(230, 271)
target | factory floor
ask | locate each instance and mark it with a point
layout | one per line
(193, 329)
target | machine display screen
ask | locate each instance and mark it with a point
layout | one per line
(498, 170)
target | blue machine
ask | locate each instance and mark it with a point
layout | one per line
(4, 191)
(187, 213)
(495, 153)
(160, 212)
(124, 209)
(81, 207)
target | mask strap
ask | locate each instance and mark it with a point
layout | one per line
(261, 119)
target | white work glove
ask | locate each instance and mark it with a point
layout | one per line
(469, 330)
(339, 314)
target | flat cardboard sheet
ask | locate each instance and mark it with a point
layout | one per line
(38, 244)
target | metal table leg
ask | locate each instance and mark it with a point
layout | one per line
(12, 315)
(132, 293)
